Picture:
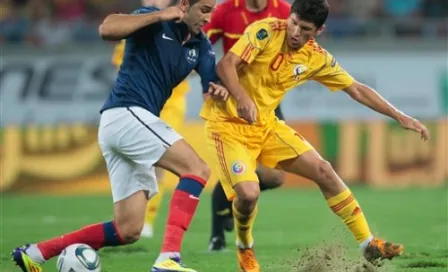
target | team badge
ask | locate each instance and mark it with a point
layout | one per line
(299, 70)
(238, 167)
(192, 55)
(262, 34)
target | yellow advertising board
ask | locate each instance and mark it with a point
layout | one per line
(66, 158)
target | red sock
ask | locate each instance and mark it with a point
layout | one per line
(96, 236)
(183, 205)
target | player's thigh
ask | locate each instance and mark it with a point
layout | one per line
(312, 166)
(181, 159)
(234, 163)
(129, 215)
(283, 143)
(173, 113)
(131, 187)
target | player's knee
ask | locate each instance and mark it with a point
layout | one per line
(132, 236)
(324, 171)
(248, 193)
(130, 233)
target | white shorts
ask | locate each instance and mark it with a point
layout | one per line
(132, 140)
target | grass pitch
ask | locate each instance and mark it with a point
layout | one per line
(294, 231)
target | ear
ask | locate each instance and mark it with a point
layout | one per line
(184, 5)
(320, 30)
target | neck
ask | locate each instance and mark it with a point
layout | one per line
(256, 5)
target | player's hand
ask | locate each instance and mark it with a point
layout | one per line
(218, 92)
(172, 13)
(247, 110)
(410, 123)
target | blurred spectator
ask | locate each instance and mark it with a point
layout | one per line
(69, 10)
(435, 8)
(57, 22)
(15, 24)
(402, 8)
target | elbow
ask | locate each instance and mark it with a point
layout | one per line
(106, 29)
(105, 32)
(356, 95)
(356, 91)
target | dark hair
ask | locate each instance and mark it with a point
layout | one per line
(314, 11)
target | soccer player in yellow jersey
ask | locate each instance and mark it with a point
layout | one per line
(173, 113)
(272, 57)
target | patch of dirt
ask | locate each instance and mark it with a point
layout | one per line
(331, 258)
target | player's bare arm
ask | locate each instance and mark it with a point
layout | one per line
(119, 26)
(227, 70)
(370, 98)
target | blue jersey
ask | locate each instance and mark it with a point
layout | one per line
(155, 61)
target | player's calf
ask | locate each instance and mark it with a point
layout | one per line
(342, 202)
(270, 178)
(182, 160)
(245, 211)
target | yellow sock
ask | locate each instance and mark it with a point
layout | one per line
(243, 227)
(348, 209)
(153, 206)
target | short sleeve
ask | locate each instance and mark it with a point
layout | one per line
(144, 33)
(332, 75)
(254, 40)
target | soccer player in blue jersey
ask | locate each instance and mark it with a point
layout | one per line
(162, 48)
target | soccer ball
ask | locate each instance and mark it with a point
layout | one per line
(78, 258)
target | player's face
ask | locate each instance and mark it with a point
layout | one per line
(299, 31)
(199, 14)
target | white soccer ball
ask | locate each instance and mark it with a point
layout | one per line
(78, 258)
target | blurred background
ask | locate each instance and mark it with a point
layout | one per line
(56, 72)
(63, 22)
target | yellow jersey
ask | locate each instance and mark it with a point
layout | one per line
(117, 58)
(273, 69)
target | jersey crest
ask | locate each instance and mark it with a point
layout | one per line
(299, 70)
(262, 34)
(192, 55)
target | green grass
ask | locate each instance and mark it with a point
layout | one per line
(289, 221)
